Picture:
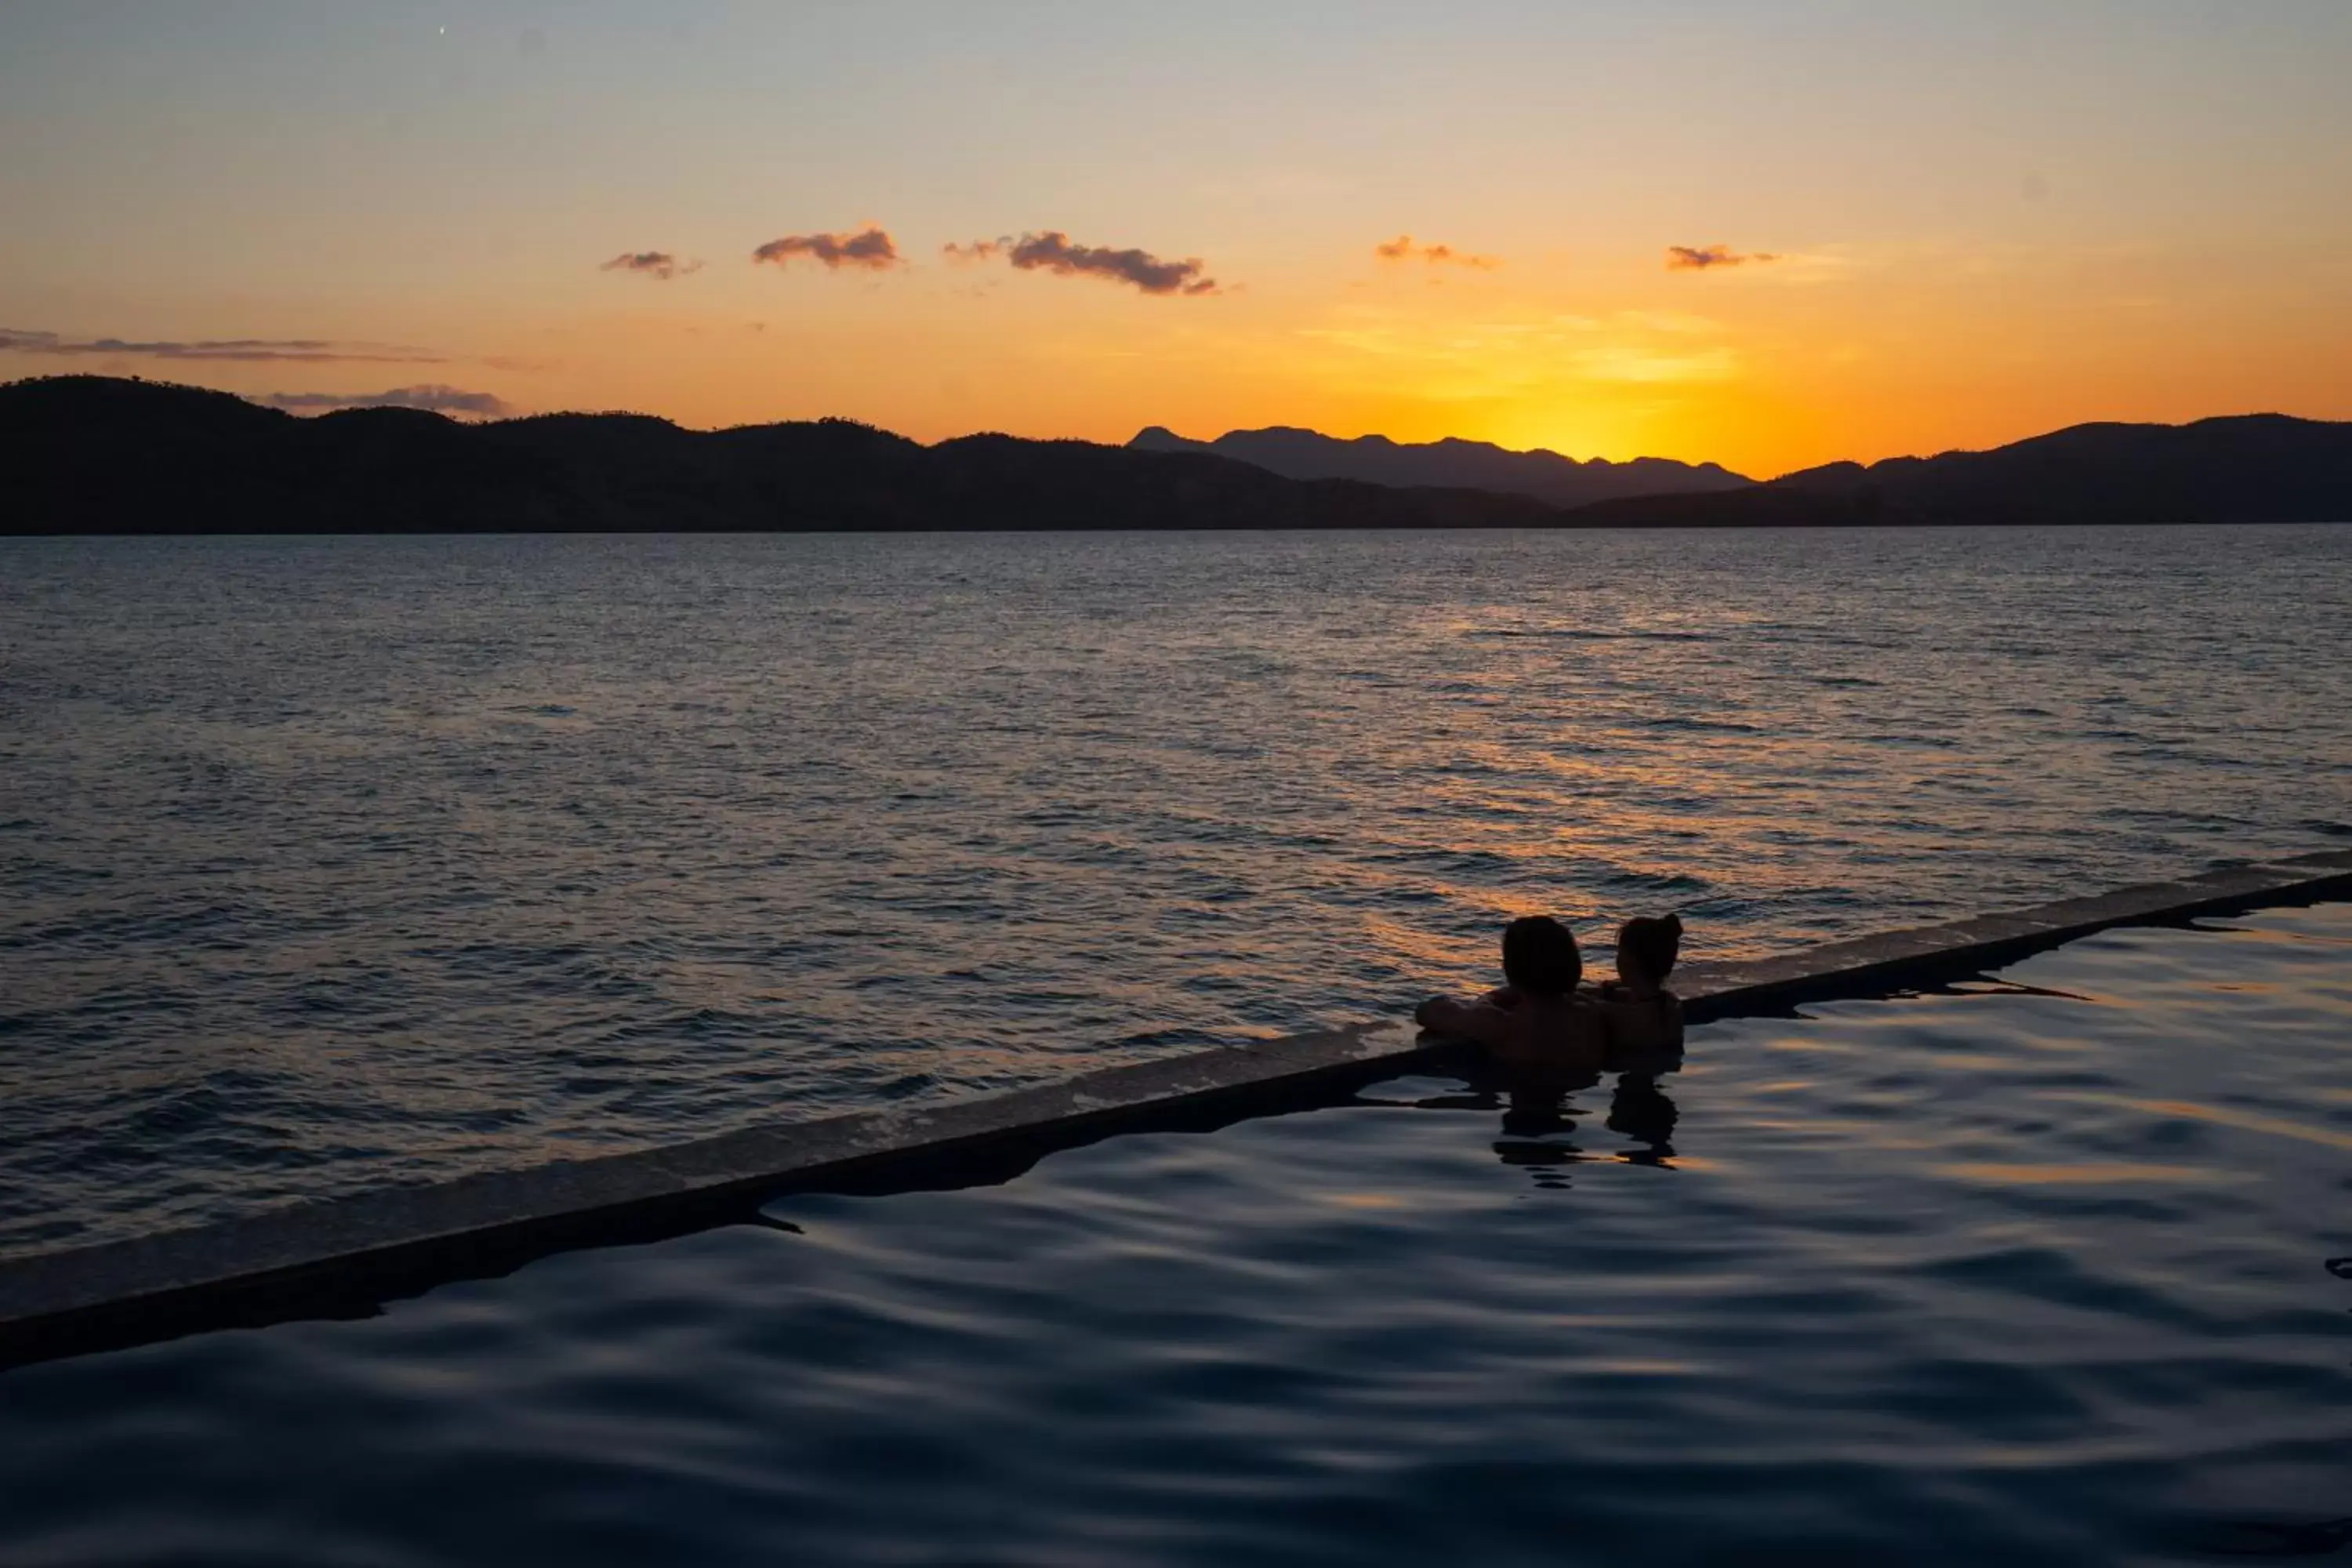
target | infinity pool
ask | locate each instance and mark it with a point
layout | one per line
(2049, 1269)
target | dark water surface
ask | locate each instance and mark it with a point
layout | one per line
(2054, 1270)
(331, 862)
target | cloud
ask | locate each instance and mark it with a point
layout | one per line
(306, 351)
(1700, 258)
(870, 249)
(432, 397)
(1508, 357)
(658, 264)
(1641, 366)
(978, 250)
(1053, 252)
(1403, 248)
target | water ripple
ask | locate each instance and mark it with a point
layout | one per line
(1886, 1284)
(765, 827)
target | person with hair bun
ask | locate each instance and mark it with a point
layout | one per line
(1538, 1019)
(1641, 1015)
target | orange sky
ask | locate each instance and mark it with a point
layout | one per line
(1962, 228)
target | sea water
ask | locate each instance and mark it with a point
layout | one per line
(329, 862)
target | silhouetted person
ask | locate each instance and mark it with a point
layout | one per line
(1538, 1020)
(1643, 1018)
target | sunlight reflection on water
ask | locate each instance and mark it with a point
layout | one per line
(337, 861)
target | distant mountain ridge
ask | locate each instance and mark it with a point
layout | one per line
(2246, 468)
(1546, 476)
(83, 454)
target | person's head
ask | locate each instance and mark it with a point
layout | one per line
(1646, 950)
(1539, 957)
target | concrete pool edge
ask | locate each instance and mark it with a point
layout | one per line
(347, 1257)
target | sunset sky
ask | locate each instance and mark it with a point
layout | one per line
(1904, 228)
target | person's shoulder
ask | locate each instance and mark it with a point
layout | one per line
(1477, 1021)
(1613, 1002)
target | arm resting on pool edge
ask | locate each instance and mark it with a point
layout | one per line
(1579, 1042)
(1481, 1023)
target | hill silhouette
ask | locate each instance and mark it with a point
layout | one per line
(102, 455)
(2251, 467)
(1546, 476)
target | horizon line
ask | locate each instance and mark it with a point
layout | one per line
(363, 403)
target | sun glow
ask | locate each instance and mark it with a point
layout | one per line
(1527, 252)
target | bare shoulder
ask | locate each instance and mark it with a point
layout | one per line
(1643, 1022)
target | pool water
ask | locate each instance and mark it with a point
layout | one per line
(2055, 1267)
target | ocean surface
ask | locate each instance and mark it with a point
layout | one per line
(2051, 1270)
(330, 862)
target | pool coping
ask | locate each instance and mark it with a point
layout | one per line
(347, 1256)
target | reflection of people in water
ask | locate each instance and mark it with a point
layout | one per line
(1540, 1118)
(1538, 1020)
(1643, 1113)
(1539, 1129)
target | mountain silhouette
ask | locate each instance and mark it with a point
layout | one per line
(1546, 476)
(2251, 468)
(103, 455)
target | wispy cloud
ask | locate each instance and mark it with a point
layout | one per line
(870, 249)
(1052, 251)
(1647, 366)
(1515, 356)
(1703, 258)
(978, 250)
(1404, 248)
(432, 397)
(656, 264)
(305, 351)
